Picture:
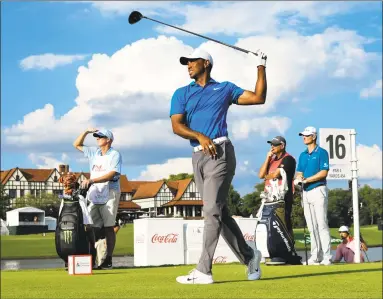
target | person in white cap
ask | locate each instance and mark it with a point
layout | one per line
(198, 113)
(104, 185)
(346, 250)
(312, 170)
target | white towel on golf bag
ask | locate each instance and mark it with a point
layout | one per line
(101, 251)
(85, 213)
(276, 192)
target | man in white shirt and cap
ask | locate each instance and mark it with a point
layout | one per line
(104, 184)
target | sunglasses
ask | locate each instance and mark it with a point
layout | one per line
(274, 145)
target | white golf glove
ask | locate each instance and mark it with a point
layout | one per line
(260, 59)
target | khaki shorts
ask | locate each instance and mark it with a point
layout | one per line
(105, 214)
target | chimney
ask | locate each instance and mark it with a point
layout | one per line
(61, 168)
(66, 168)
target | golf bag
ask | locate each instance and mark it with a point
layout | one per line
(272, 236)
(71, 237)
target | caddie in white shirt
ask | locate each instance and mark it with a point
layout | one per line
(104, 185)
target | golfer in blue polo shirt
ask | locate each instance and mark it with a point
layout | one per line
(198, 112)
(312, 171)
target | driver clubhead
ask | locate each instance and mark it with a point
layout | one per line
(135, 17)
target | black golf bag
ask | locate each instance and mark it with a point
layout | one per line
(71, 237)
(272, 237)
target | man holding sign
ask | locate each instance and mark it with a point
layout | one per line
(313, 167)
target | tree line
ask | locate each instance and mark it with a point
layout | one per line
(339, 205)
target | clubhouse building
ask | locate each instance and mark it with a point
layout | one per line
(151, 198)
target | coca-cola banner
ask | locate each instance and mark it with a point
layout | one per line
(169, 238)
(162, 241)
(158, 242)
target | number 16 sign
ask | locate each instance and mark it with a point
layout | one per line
(337, 142)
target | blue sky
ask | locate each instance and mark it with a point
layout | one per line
(324, 69)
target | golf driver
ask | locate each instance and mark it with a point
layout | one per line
(136, 16)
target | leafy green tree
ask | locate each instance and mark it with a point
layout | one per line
(339, 207)
(252, 201)
(5, 202)
(50, 203)
(297, 215)
(179, 176)
(234, 202)
(372, 200)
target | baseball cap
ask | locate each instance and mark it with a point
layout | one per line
(343, 229)
(277, 140)
(197, 53)
(308, 131)
(104, 133)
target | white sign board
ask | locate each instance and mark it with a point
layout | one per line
(80, 264)
(337, 143)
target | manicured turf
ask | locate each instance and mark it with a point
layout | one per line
(30, 246)
(335, 281)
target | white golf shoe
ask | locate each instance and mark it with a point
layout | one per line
(326, 262)
(254, 267)
(311, 262)
(195, 277)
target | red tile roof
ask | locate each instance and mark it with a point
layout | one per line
(183, 203)
(128, 205)
(181, 188)
(37, 175)
(6, 174)
(148, 189)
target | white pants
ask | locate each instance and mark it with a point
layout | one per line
(315, 204)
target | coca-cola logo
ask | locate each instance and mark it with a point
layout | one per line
(220, 259)
(169, 238)
(249, 237)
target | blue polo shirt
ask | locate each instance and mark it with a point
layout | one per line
(311, 163)
(205, 108)
(115, 163)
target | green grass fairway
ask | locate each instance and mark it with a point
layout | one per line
(31, 246)
(335, 281)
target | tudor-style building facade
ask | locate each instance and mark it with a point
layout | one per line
(159, 198)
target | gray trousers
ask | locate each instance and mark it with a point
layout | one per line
(213, 177)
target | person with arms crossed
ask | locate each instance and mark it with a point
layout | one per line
(104, 185)
(312, 170)
(276, 159)
(198, 113)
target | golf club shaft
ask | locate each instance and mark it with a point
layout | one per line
(208, 38)
(304, 227)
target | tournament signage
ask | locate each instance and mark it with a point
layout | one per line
(341, 147)
(337, 142)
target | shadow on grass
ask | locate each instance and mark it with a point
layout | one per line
(308, 275)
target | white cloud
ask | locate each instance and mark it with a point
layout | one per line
(147, 8)
(212, 17)
(374, 90)
(47, 160)
(172, 166)
(370, 161)
(129, 92)
(263, 126)
(48, 61)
